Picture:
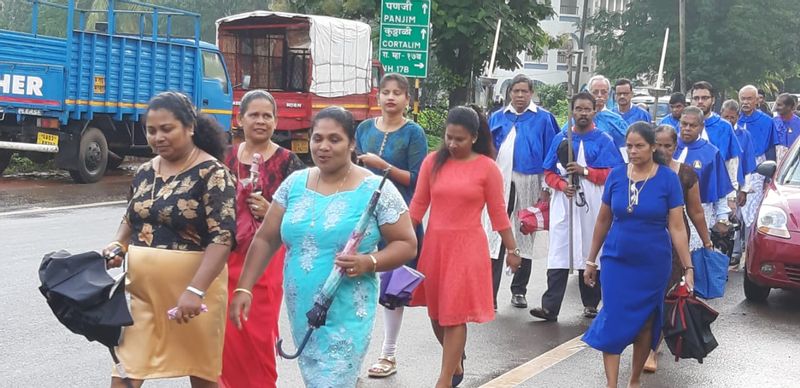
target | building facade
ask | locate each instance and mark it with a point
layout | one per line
(553, 68)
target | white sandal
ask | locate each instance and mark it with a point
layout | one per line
(385, 367)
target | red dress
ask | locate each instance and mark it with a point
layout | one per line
(455, 254)
(248, 356)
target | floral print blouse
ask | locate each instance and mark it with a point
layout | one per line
(186, 212)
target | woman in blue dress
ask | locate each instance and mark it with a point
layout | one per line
(640, 220)
(313, 214)
(393, 142)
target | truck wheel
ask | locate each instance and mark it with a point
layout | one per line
(753, 292)
(92, 157)
(5, 159)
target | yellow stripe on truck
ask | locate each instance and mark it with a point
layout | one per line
(216, 111)
(114, 104)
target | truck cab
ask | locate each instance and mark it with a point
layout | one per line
(81, 98)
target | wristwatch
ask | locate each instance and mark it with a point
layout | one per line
(585, 171)
(516, 252)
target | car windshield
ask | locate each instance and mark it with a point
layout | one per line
(790, 174)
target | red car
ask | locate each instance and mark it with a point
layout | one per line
(773, 248)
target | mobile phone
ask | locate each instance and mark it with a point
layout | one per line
(172, 314)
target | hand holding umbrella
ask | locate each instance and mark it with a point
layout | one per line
(322, 302)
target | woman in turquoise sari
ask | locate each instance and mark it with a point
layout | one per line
(313, 213)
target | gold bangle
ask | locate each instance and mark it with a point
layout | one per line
(244, 290)
(374, 263)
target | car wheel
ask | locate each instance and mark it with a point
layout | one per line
(92, 157)
(754, 292)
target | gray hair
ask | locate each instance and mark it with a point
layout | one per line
(695, 111)
(730, 105)
(257, 94)
(522, 78)
(749, 87)
(599, 77)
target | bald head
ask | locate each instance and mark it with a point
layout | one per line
(748, 99)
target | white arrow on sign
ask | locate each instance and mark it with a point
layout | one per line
(424, 9)
(423, 32)
(419, 65)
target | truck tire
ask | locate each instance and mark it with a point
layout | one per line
(5, 159)
(92, 157)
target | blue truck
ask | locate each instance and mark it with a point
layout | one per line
(81, 98)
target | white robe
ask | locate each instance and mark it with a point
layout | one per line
(584, 219)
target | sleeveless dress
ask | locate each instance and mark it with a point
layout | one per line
(336, 350)
(637, 260)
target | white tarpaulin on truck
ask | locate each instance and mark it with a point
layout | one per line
(341, 51)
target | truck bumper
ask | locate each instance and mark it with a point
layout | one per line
(8, 145)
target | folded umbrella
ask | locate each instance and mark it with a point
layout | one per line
(398, 285)
(85, 298)
(687, 325)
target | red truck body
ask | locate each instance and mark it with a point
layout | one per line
(292, 56)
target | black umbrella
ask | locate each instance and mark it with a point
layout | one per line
(85, 298)
(687, 325)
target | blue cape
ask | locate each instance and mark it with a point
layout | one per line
(710, 168)
(671, 121)
(634, 115)
(720, 134)
(609, 122)
(762, 129)
(747, 162)
(788, 131)
(598, 149)
(535, 132)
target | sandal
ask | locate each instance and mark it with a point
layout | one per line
(385, 367)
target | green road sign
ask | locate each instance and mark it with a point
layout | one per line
(405, 32)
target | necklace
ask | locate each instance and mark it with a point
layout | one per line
(314, 215)
(633, 191)
(157, 173)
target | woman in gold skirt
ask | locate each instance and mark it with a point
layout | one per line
(177, 231)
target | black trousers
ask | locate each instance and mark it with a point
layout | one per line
(519, 285)
(557, 286)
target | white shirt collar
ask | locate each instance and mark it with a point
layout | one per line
(532, 107)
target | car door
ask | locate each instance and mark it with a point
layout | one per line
(217, 98)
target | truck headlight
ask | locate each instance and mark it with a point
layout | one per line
(772, 221)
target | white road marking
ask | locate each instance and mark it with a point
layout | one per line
(61, 208)
(538, 365)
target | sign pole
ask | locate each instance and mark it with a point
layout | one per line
(416, 98)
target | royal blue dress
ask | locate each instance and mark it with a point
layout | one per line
(636, 260)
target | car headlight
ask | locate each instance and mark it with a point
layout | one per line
(772, 221)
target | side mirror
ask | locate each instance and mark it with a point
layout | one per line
(767, 168)
(246, 82)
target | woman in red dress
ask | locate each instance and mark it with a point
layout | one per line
(456, 183)
(248, 358)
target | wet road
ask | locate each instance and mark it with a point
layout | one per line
(759, 344)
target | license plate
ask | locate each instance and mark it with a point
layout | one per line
(300, 146)
(46, 139)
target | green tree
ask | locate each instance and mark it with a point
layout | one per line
(550, 95)
(728, 43)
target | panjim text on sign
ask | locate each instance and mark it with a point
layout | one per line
(405, 32)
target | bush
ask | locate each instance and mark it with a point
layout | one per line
(561, 111)
(551, 95)
(432, 120)
(23, 165)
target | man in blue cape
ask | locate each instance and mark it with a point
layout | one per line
(623, 93)
(747, 168)
(786, 121)
(594, 156)
(677, 103)
(718, 131)
(713, 179)
(604, 119)
(522, 132)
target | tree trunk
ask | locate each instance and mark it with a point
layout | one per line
(458, 96)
